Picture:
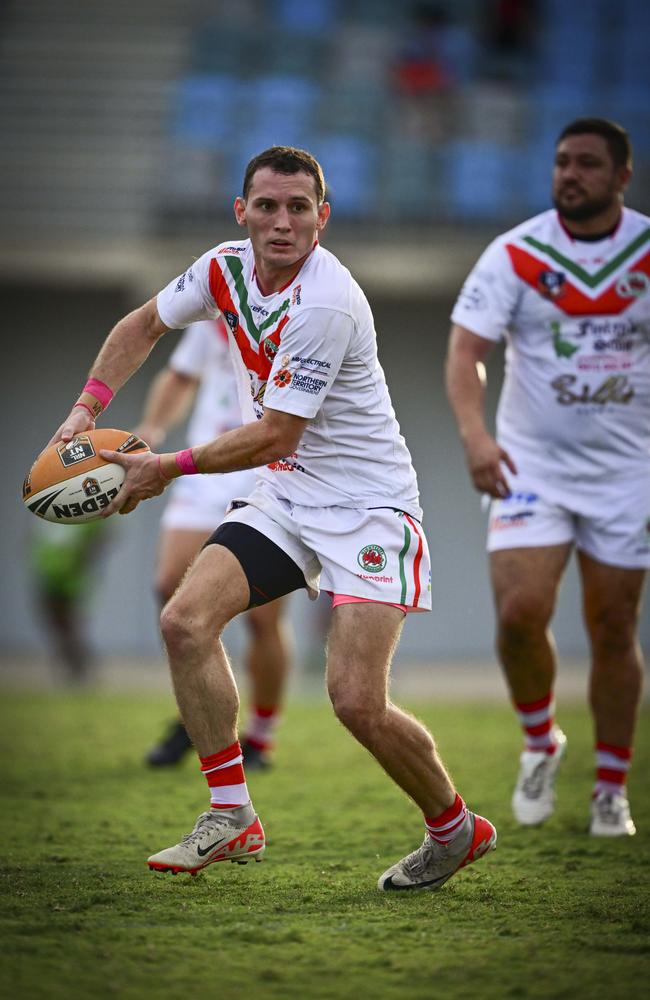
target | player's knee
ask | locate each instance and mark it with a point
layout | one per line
(612, 630)
(181, 628)
(521, 615)
(355, 709)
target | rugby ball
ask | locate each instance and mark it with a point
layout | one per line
(69, 483)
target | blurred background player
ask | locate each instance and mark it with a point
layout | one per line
(200, 371)
(570, 289)
(64, 563)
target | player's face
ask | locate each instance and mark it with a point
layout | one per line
(282, 216)
(586, 182)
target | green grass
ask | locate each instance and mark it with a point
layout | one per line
(550, 914)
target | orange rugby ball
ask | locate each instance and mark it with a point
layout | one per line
(69, 483)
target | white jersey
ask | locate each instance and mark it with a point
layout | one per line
(203, 353)
(309, 349)
(575, 404)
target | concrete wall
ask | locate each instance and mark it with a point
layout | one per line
(52, 336)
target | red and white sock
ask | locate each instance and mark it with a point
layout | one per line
(537, 718)
(262, 721)
(224, 772)
(446, 827)
(612, 765)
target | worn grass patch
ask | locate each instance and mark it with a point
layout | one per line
(552, 913)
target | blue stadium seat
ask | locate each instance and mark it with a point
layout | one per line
(310, 16)
(206, 109)
(281, 101)
(482, 181)
(355, 108)
(350, 167)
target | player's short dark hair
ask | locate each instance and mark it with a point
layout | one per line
(287, 160)
(617, 139)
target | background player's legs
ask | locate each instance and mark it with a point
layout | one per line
(267, 661)
(361, 644)
(525, 582)
(612, 602)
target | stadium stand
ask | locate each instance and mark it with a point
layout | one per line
(137, 118)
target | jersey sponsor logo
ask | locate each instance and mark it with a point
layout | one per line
(504, 522)
(282, 378)
(260, 309)
(288, 464)
(378, 579)
(307, 383)
(473, 298)
(615, 389)
(372, 558)
(633, 285)
(231, 318)
(311, 362)
(185, 276)
(551, 284)
(231, 250)
(77, 450)
(295, 296)
(563, 348)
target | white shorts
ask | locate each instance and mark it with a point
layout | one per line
(379, 554)
(198, 503)
(609, 522)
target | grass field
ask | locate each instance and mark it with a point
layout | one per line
(552, 913)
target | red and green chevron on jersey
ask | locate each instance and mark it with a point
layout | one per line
(602, 293)
(228, 288)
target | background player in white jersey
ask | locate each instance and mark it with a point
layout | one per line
(336, 506)
(200, 372)
(570, 466)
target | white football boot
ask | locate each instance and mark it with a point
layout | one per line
(218, 835)
(433, 864)
(533, 799)
(610, 816)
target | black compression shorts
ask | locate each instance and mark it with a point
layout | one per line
(270, 572)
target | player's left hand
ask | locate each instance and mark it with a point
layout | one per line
(144, 480)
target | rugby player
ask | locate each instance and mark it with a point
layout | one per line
(570, 465)
(335, 506)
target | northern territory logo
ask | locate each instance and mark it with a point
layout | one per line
(372, 558)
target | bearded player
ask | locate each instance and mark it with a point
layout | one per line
(570, 465)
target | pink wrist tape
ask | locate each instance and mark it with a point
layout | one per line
(99, 390)
(185, 462)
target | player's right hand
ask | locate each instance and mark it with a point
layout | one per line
(485, 460)
(78, 420)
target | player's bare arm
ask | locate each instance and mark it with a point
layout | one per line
(273, 437)
(167, 403)
(127, 346)
(466, 380)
